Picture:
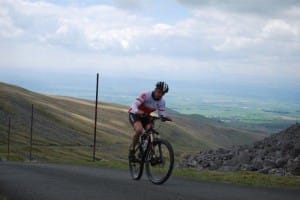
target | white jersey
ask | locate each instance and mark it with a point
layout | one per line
(146, 103)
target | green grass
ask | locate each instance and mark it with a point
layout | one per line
(241, 177)
(2, 197)
(12, 156)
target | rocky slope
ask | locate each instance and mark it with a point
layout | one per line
(278, 154)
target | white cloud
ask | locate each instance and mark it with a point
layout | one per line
(279, 28)
(209, 40)
(7, 26)
(99, 27)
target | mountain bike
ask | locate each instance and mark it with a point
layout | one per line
(155, 154)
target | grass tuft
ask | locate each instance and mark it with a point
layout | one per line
(240, 177)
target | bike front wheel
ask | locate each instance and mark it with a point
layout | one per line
(160, 161)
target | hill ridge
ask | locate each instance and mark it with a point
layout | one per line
(61, 120)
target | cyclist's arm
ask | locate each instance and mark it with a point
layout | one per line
(138, 101)
(162, 112)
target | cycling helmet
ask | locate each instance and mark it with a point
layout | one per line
(162, 86)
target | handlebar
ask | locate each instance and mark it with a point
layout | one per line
(154, 118)
(163, 119)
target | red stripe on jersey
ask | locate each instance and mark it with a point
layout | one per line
(146, 109)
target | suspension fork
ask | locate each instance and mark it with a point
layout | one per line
(145, 152)
(149, 148)
(159, 145)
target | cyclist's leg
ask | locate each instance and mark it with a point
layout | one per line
(138, 129)
(147, 124)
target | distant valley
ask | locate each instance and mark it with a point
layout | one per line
(255, 107)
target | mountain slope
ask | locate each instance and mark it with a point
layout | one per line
(68, 122)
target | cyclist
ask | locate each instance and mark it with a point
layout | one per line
(142, 107)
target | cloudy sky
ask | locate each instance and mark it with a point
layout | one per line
(183, 39)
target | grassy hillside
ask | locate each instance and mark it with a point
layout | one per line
(63, 128)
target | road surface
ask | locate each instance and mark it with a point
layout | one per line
(52, 181)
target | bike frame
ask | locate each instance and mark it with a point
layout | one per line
(151, 135)
(150, 138)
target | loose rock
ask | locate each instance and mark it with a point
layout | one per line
(277, 154)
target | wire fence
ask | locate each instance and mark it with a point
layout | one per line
(25, 136)
(31, 132)
(53, 140)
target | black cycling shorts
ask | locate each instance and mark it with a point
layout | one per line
(145, 120)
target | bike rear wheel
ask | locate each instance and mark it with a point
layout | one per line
(160, 161)
(136, 167)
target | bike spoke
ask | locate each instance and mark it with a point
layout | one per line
(160, 162)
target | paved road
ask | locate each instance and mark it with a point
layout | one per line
(52, 181)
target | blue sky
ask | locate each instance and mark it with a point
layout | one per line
(184, 39)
